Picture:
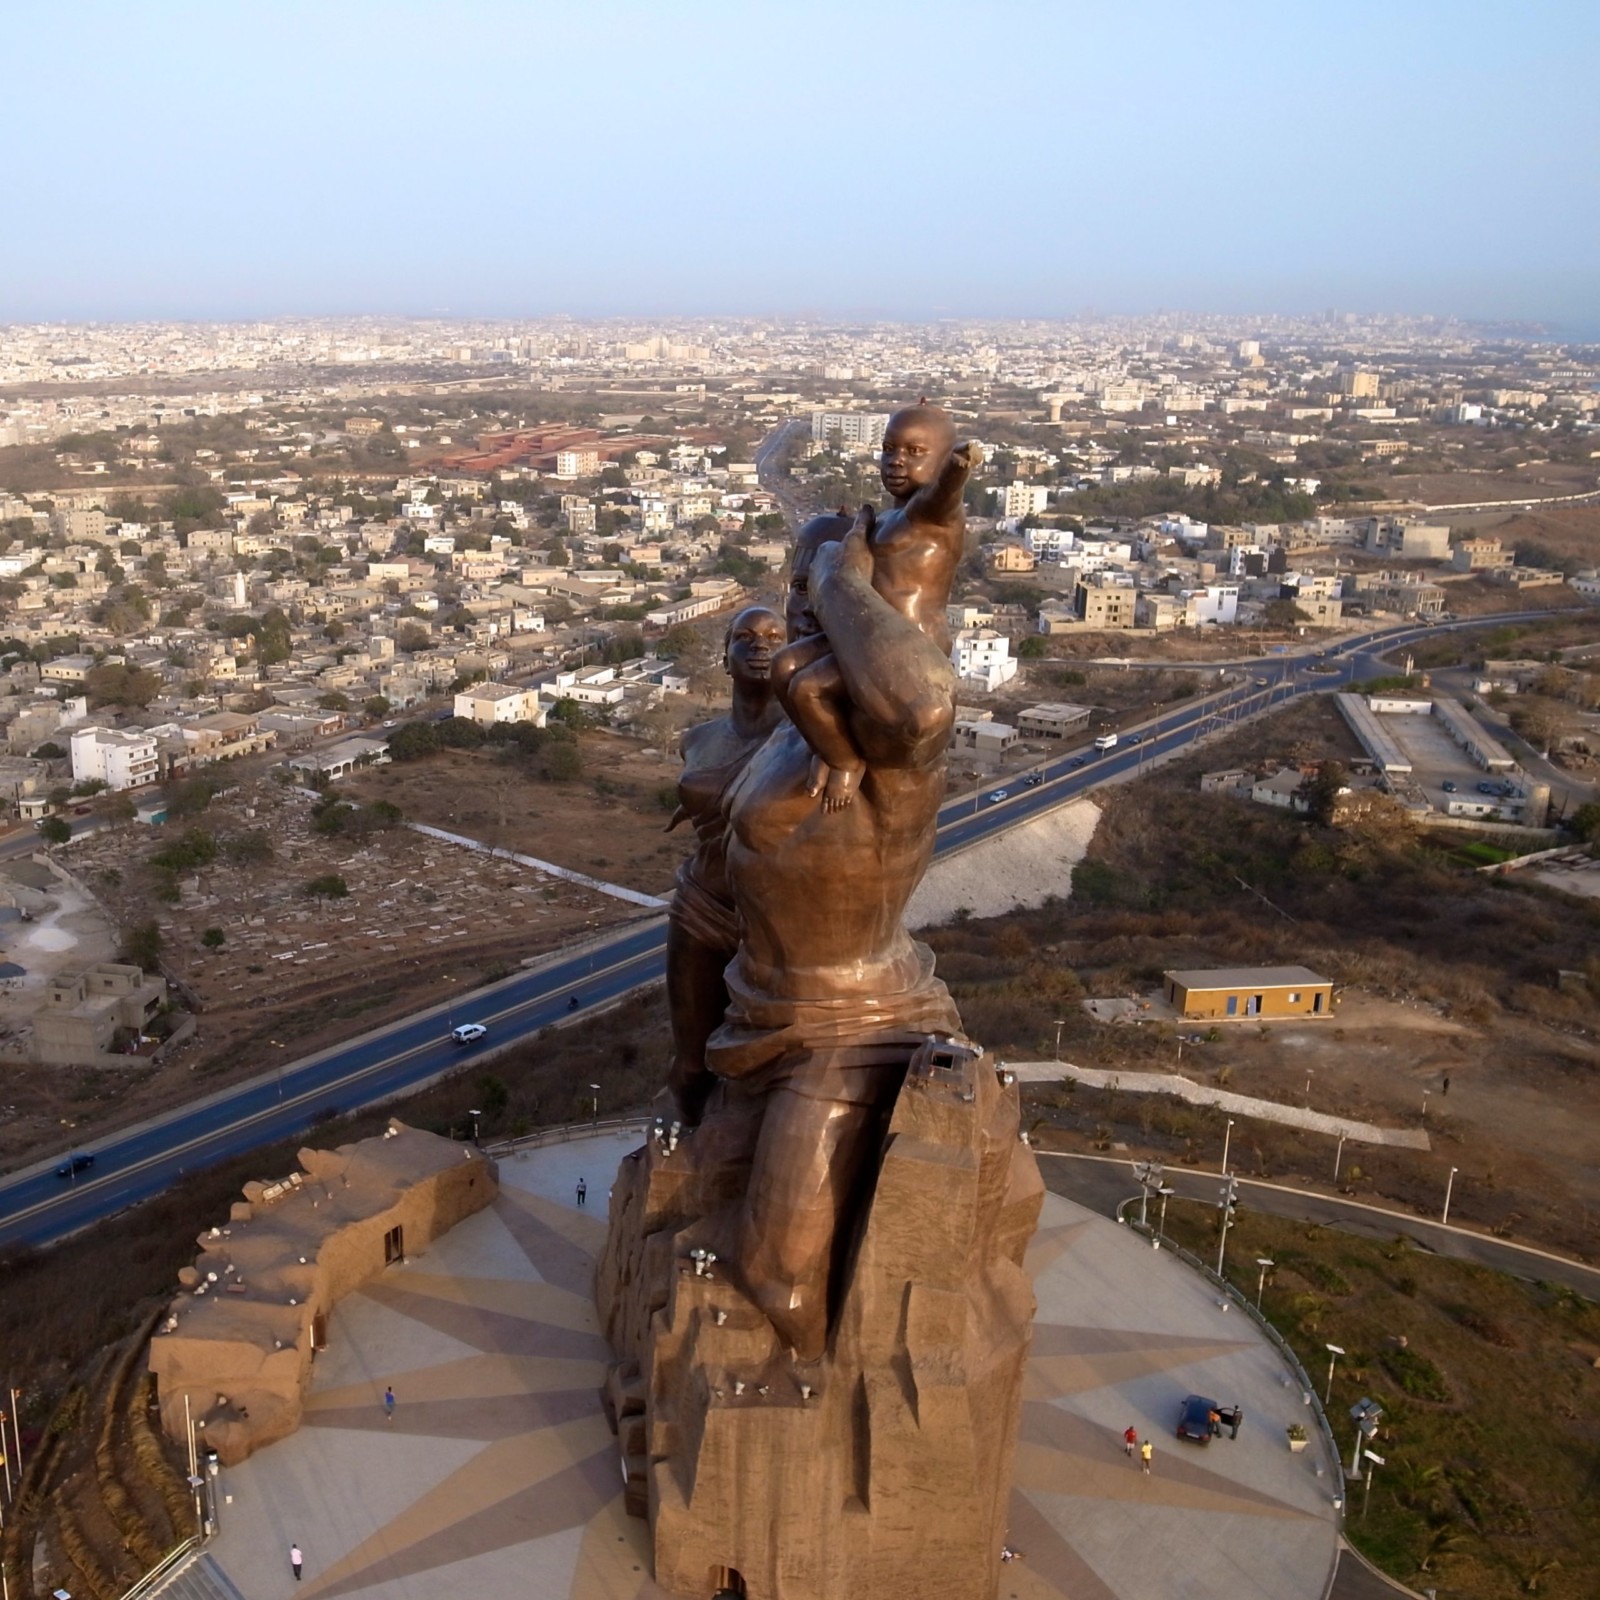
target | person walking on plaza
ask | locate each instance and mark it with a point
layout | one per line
(1145, 1453)
(1130, 1440)
(388, 1403)
(583, 1192)
(1235, 1420)
(295, 1561)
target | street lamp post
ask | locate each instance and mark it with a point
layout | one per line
(1334, 1352)
(1338, 1156)
(1226, 1205)
(474, 1114)
(594, 1089)
(1149, 1175)
(1060, 1024)
(1166, 1194)
(1424, 1105)
(1450, 1184)
(1227, 1139)
(1261, 1281)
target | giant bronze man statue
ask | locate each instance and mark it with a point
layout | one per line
(813, 1273)
(829, 997)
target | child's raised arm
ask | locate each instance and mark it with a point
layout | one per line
(939, 500)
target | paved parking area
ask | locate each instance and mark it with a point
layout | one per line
(497, 1476)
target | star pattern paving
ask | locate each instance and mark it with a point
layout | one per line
(546, 1482)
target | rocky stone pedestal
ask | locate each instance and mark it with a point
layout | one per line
(884, 1468)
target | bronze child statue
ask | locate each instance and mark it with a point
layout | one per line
(916, 547)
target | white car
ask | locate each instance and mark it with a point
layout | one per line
(468, 1033)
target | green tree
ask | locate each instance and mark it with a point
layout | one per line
(458, 733)
(121, 685)
(142, 946)
(1585, 822)
(213, 938)
(1322, 792)
(561, 761)
(1032, 648)
(413, 740)
(377, 705)
(330, 886)
(274, 639)
(334, 701)
(55, 830)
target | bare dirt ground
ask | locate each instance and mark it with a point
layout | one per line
(1477, 597)
(610, 823)
(1569, 532)
(422, 920)
(1453, 488)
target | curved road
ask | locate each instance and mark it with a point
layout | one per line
(38, 1206)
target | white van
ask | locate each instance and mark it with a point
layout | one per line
(1106, 741)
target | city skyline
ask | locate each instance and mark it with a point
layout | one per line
(510, 161)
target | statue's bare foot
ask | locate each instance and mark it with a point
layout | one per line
(841, 788)
(819, 775)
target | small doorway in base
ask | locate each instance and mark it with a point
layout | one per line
(319, 1332)
(394, 1245)
(726, 1584)
(1316, 1005)
(1233, 1005)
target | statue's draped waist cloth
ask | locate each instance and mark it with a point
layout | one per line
(849, 1050)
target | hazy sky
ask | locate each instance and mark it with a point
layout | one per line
(1027, 157)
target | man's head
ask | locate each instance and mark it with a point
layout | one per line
(751, 638)
(798, 617)
(916, 445)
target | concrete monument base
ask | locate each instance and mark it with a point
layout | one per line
(883, 1468)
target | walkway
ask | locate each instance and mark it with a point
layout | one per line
(498, 1477)
(1239, 1105)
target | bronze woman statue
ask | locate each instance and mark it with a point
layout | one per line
(702, 930)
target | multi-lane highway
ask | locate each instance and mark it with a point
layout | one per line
(38, 1206)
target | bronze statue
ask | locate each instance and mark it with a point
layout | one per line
(828, 995)
(702, 930)
(817, 1298)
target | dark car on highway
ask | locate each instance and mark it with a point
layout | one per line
(70, 1169)
(1198, 1419)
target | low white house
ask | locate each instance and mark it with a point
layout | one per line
(488, 703)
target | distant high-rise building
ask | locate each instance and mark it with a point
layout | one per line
(862, 428)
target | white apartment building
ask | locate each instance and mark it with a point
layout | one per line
(577, 463)
(488, 703)
(982, 658)
(1025, 499)
(1049, 544)
(117, 758)
(861, 429)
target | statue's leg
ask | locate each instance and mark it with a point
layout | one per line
(808, 1162)
(697, 999)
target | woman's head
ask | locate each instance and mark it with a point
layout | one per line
(748, 644)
